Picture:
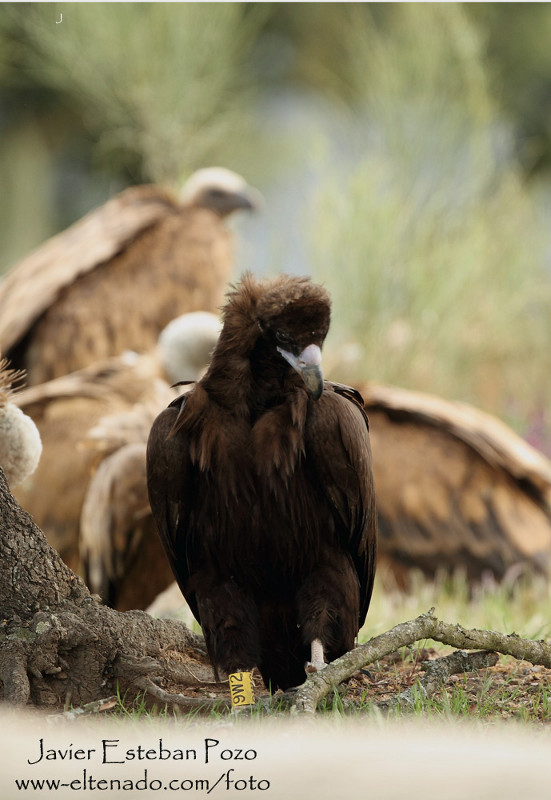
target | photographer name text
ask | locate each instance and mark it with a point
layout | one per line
(110, 751)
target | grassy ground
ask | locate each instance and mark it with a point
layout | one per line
(523, 606)
(511, 690)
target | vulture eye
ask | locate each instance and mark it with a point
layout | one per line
(283, 338)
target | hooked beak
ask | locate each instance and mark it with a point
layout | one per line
(250, 198)
(308, 366)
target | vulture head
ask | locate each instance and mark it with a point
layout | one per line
(273, 332)
(186, 344)
(20, 443)
(220, 190)
(293, 320)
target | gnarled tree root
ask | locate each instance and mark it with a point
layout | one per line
(75, 656)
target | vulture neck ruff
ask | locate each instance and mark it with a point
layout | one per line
(247, 374)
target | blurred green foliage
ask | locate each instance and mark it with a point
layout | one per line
(112, 94)
(518, 37)
(430, 242)
(414, 185)
(161, 88)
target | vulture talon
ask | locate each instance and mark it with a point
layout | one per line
(312, 666)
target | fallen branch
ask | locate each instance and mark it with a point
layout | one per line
(90, 709)
(318, 685)
(437, 673)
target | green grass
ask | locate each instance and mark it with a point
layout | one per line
(514, 692)
(489, 701)
(523, 608)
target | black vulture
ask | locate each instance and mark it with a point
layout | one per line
(260, 482)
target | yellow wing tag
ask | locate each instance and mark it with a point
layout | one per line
(241, 689)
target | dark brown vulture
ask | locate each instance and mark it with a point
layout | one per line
(457, 489)
(65, 409)
(261, 485)
(113, 280)
(20, 444)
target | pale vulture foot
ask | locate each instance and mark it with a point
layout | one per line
(317, 661)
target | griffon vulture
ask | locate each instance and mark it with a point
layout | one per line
(20, 443)
(66, 408)
(120, 550)
(121, 553)
(113, 280)
(456, 488)
(261, 486)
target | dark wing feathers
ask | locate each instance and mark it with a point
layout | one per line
(351, 394)
(171, 491)
(338, 443)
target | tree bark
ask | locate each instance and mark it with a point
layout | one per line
(60, 647)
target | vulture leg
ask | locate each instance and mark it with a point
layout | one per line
(232, 639)
(317, 660)
(328, 607)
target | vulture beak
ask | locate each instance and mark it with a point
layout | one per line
(249, 198)
(308, 366)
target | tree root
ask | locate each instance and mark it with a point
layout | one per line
(73, 655)
(179, 702)
(13, 673)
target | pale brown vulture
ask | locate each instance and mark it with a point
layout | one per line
(113, 280)
(121, 554)
(66, 408)
(456, 488)
(261, 486)
(20, 443)
(120, 550)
